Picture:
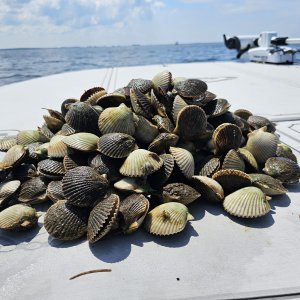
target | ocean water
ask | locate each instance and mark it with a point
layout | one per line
(23, 64)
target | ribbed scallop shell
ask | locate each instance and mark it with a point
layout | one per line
(167, 219)
(269, 185)
(26, 137)
(57, 148)
(45, 132)
(90, 92)
(225, 137)
(257, 122)
(145, 131)
(141, 162)
(82, 141)
(65, 105)
(164, 124)
(83, 186)
(191, 88)
(262, 144)
(7, 142)
(158, 107)
(178, 105)
(111, 100)
(185, 161)
(283, 169)
(33, 191)
(232, 180)
(72, 161)
(216, 107)
(179, 192)
(51, 168)
(209, 188)
(243, 113)
(93, 99)
(233, 160)
(14, 156)
(117, 119)
(82, 117)
(249, 202)
(210, 166)
(64, 221)
(18, 217)
(160, 177)
(8, 188)
(191, 122)
(285, 151)
(133, 211)
(117, 145)
(32, 154)
(102, 218)
(53, 123)
(66, 130)
(248, 158)
(54, 191)
(162, 81)
(143, 85)
(141, 103)
(163, 142)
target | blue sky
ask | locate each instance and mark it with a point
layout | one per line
(55, 23)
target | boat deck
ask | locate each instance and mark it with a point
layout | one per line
(216, 257)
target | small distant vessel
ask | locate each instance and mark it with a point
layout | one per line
(266, 47)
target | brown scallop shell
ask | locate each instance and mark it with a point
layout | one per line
(145, 131)
(64, 221)
(7, 189)
(243, 113)
(179, 192)
(116, 145)
(51, 168)
(191, 122)
(133, 210)
(158, 107)
(102, 218)
(178, 105)
(14, 156)
(209, 188)
(234, 161)
(210, 166)
(216, 107)
(53, 123)
(163, 142)
(54, 191)
(141, 103)
(185, 161)
(248, 158)
(232, 180)
(65, 105)
(191, 88)
(143, 85)
(66, 130)
(74, 160)
(225, 137)
(90, 92)
(83, 186)
(162, 81)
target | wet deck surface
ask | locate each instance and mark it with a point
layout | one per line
(216, 257)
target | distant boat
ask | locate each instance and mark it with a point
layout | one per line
(176, 43)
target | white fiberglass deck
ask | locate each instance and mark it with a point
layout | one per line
(216, 257)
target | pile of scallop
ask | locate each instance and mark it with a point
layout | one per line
(137, 157)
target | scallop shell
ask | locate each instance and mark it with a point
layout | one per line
(33, 191)
(162, 81)
(248, 202)
(285, 151)
(143, 85)
(65, 105)
(141, 103)
(145, 131)
(179, 192)
(141, 162)
(164, 124)
(232, 180)
(14, 156)
(191, 88)
(18, 217)
(7, 189)
(66, 130)
(7, 142)
(102, 218)
(262, 144)
(185, 161)
(117, 145)
(191, 122)
(160, 177)
(91, 92)
(269, 185)
(133, 211)
(82, 141)
(54, 191)
(283, 169)
(233, 160)
(248, 158)
(133, 185)
(163, 142)
(178, 105)
(117, 119)
(53, 123)
(225, 137)
(167, 219)
(243, 113)
(26, 137)
(57, 148)
(216, 107)
(45, 132)
(64, 221)
(82, 186)
(82, 117)
(159, 108)
(32, 154)
(209, 188)
(50, 168)
(257, 122)
(211, 165)
(72, 161)
(111, 100)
